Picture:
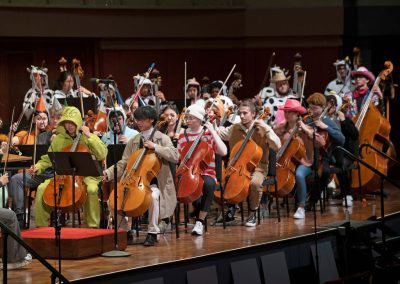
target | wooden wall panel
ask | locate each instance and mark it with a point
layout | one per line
(216, 64)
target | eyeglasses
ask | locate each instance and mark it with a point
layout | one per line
(189, 117)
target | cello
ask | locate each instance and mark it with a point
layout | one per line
(374, 129)
(244, 158)
(196, 156)
(287, 158)
(133, 189)
(63, 185)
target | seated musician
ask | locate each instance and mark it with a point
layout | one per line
(170, 111)
(194, 116)
(317, 104)
(266, 138)
(163, 190)
(68, 127)
(351, 144)
(124, 133)
(40, 119)
(16, 185)
(363, 79)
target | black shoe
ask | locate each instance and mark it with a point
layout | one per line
(150, 240)
(129, 238)
(228, 217)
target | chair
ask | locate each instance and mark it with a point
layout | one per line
(270, 180)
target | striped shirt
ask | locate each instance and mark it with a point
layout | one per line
(207, 137)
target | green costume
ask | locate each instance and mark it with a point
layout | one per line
(60, 141)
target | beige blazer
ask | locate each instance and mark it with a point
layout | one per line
(168, 153)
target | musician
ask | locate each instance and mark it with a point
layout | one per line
(351, 144)
(16, 254)
(16, 185)
(194, 116)
(293, 111)
(317, 124)
(40, 84)
(214, 107)
(171, 113)
(163, 190)
(68, 128)
(363, 79)
(116, 121)
(215, 87)
(342, 85)
(63, 87)
(193, 93)
(276, 98)
(40, 119)
(266, 138)
(146, 96)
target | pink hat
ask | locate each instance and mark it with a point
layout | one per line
(293, 105)
(362, 71)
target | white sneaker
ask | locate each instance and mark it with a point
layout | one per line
(300, 213)
(349, 201)
(198, 229)
(251, 220)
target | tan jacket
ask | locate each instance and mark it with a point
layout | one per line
(168, 153)
(265, 139)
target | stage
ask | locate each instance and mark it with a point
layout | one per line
(217, 242)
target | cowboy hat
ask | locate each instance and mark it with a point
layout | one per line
(294, 106)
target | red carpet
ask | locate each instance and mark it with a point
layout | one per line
(76, 243)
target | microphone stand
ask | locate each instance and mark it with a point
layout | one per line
(314, 195)
(56, 215)
(115, 252)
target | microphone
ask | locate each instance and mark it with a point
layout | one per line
(99, 81)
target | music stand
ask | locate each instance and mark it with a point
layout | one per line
(28, 150)
(120, 148)
(89, 103)
(76, 164)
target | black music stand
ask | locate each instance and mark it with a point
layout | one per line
(120, 148)
(76, 164)
(28, 150)
(89, 103)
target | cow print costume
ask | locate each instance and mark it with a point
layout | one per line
(273, 100)
(34, 92)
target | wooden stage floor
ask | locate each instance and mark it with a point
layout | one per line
(170, 249)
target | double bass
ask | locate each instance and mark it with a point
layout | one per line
(374, 129)
(244, 158)
(133, 189)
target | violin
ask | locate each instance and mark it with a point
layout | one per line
(133, 189)
(97, 122)
(230, 111)
(244, 158)
(196, 156)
